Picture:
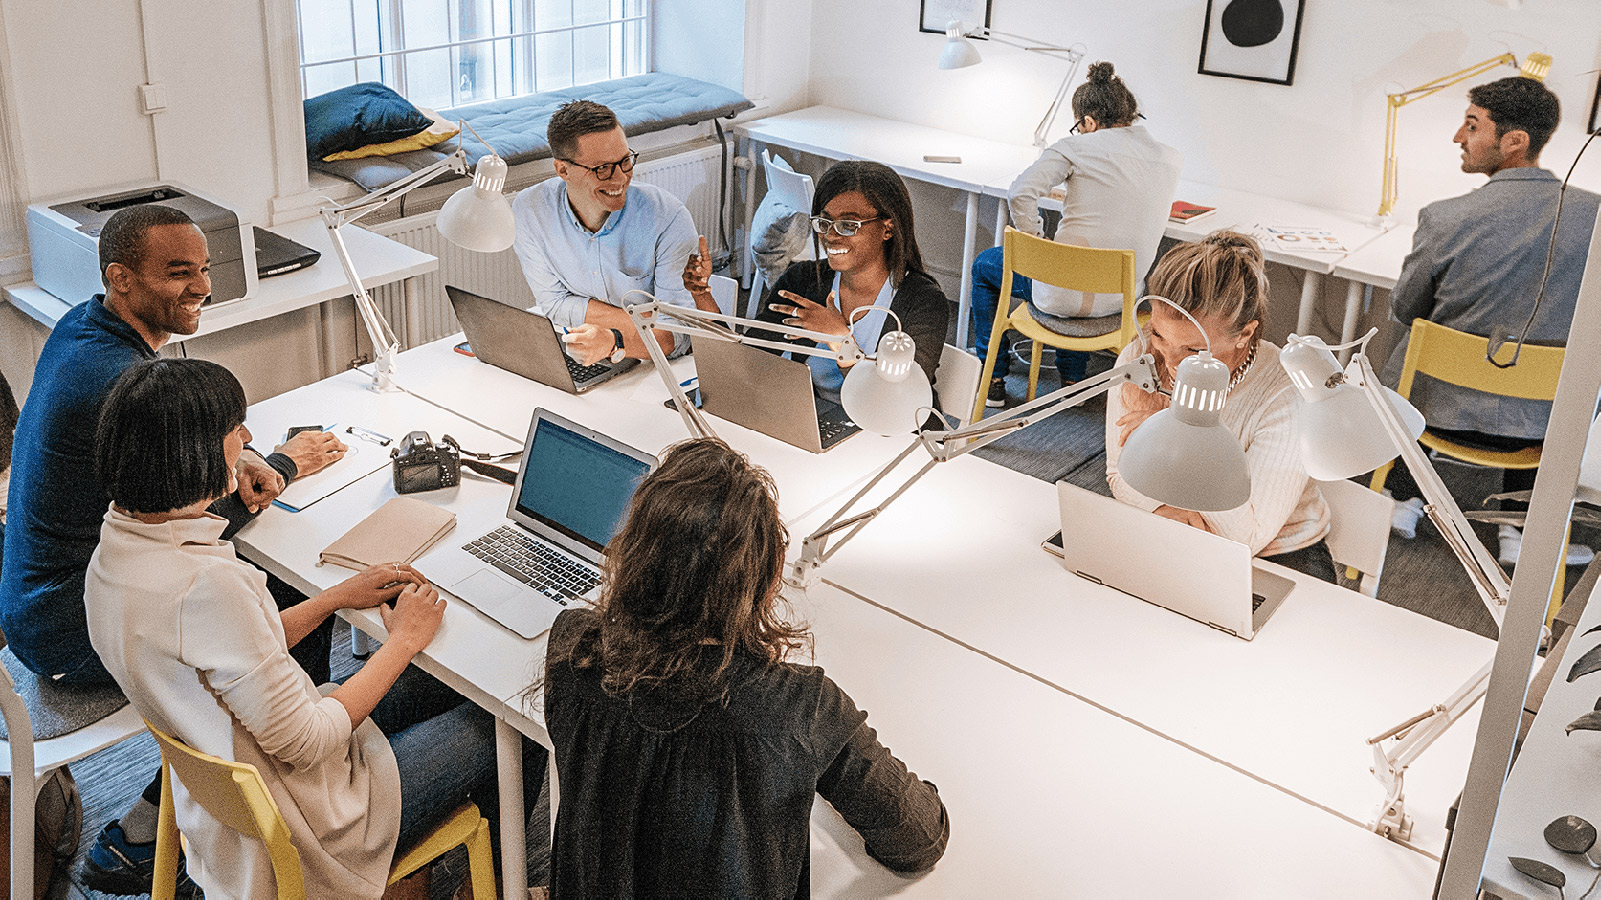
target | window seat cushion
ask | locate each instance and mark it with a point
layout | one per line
(516, 126)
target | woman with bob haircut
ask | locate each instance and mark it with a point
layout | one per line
(689, 749)
(1221, 281)
(862, 216)
(193, 638)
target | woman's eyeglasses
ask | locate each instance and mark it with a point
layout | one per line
(605, 171)
(841, 227)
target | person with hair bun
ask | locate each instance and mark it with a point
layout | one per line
(1119, 184)
(1221, 282)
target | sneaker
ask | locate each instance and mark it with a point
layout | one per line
(1512, 545)
(1404, 519)
(117, 866)
(997, 394)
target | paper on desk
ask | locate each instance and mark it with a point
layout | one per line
(1299, 240)
(360, 460)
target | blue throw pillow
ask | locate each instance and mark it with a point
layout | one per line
(355, 116)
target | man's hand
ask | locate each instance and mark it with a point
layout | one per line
(1188, 516)
(697, 278)
(824, 318)
(312, 451)
(1138, 406)
(589, 344)
(259, 483)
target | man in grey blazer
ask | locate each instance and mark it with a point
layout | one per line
(1476, 262)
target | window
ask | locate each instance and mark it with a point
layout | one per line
(446, 53)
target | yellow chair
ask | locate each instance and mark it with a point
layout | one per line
(1458, 358)
(1066, 266)
(235, 795)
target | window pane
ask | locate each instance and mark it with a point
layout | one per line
(589, 12)
(321, 79)
(634, 48)
(553, 56)
(429, 78)
(369, 37)
(505, 82)
(552, 14)
(592, 48)
(325, 30)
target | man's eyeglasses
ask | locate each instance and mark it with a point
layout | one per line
(605, 171)
(842, 227)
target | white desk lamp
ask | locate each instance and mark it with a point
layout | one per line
(1182, 456)
(477, 217)
(960, 53)
(1351, 424)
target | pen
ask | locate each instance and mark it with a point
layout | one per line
(367, 434)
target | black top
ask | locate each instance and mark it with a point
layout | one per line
(921, 305)
(663, 798)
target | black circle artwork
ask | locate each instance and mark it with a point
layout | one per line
(1252, 23)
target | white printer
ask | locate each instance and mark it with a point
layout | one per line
(64, 241)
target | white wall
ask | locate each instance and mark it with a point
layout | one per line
(684, 30)
(778, 53)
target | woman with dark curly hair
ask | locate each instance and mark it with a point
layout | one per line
(689, 748)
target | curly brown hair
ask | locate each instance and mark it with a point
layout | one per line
(691, 580)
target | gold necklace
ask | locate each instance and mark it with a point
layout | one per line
(1239, 373)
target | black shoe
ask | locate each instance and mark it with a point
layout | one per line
(117, 866)
(997, 394)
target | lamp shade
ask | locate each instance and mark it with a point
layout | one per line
(478, 217)
(884, 395)
(1184, 456)
(959, 52)
(1341, 435)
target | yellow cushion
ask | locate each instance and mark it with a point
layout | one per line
(442, 130)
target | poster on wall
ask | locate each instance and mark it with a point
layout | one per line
(937, 14)
(1252, 39)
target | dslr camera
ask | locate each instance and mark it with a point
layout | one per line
(422, 465)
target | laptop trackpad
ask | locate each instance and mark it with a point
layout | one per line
(488, 589)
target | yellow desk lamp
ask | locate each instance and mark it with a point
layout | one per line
(1535, 66)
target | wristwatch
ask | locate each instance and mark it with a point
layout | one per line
(617, 346)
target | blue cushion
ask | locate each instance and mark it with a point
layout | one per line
(355, 116)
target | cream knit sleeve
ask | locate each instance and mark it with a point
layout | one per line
(1278, 479)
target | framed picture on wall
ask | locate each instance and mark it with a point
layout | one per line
(936, 14)
(1252, 39)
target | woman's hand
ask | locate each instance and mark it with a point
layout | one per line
(378, 584)
(415, 617)
(697, 277)
(1188, 516)
(1138, 406)
(824, 318)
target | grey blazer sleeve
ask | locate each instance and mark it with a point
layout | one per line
(1413, 294)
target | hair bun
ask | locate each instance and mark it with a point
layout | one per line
(1099, 73)
(1233, 239)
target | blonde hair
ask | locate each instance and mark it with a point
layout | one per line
(1221, 277)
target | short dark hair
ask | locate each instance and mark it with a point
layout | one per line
(1520, 104)
(1104, 96)
(122, 238)
(159, 446)
(885, 190)
(573, 120)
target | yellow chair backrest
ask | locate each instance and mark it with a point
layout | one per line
(1458, 358)
(234, 794)
(1074, 268)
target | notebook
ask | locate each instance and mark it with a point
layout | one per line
(572, 491)
(399, 531)
(768, 393)
(525, 343)
(1165, 563)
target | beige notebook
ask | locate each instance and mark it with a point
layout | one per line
(399, 531)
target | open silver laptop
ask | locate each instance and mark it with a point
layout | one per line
(768, 393)
(526, 343)
(1169, 564)
(573, 489)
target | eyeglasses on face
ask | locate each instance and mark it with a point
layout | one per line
(842, 227)
(605, 171)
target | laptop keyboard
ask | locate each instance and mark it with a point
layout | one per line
(582, 373)
(1256, 601)
(534, 563)
(830, 430)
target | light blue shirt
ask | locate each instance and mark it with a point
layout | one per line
(642, 246)
(827, 376)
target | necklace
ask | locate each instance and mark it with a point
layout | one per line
(1239, 373)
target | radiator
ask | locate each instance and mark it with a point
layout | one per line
(691, 176)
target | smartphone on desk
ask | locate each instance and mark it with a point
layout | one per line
(299, 428)
(694, 398)
(465, 349)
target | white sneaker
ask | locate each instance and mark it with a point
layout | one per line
(1512, 545)
(1404, 519)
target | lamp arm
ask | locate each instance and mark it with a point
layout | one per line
(1390, 190)
(1042, 131)
(375, 200)
(944, 445)
(1024, 42)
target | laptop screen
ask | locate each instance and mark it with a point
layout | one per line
(577, 485)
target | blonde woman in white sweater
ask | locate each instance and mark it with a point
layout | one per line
(1222, 283)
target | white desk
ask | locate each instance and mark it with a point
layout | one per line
(842, 134)
(380, 261)
(1378, 264)
(960, 554)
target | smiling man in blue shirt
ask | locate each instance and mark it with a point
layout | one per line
(589, 236)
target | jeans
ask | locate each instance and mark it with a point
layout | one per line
(988, 270)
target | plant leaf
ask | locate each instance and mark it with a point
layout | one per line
(1589, 662)
(1590, 721)
(1539, 871)
(1570, 834)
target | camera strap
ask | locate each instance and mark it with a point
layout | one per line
(489, 471)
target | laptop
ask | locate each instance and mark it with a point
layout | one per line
(278, 255)
(1194, 573)
(768, 393)
(525, 343)
(572, 491)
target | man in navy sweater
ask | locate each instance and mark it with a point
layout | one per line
(155, 266)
